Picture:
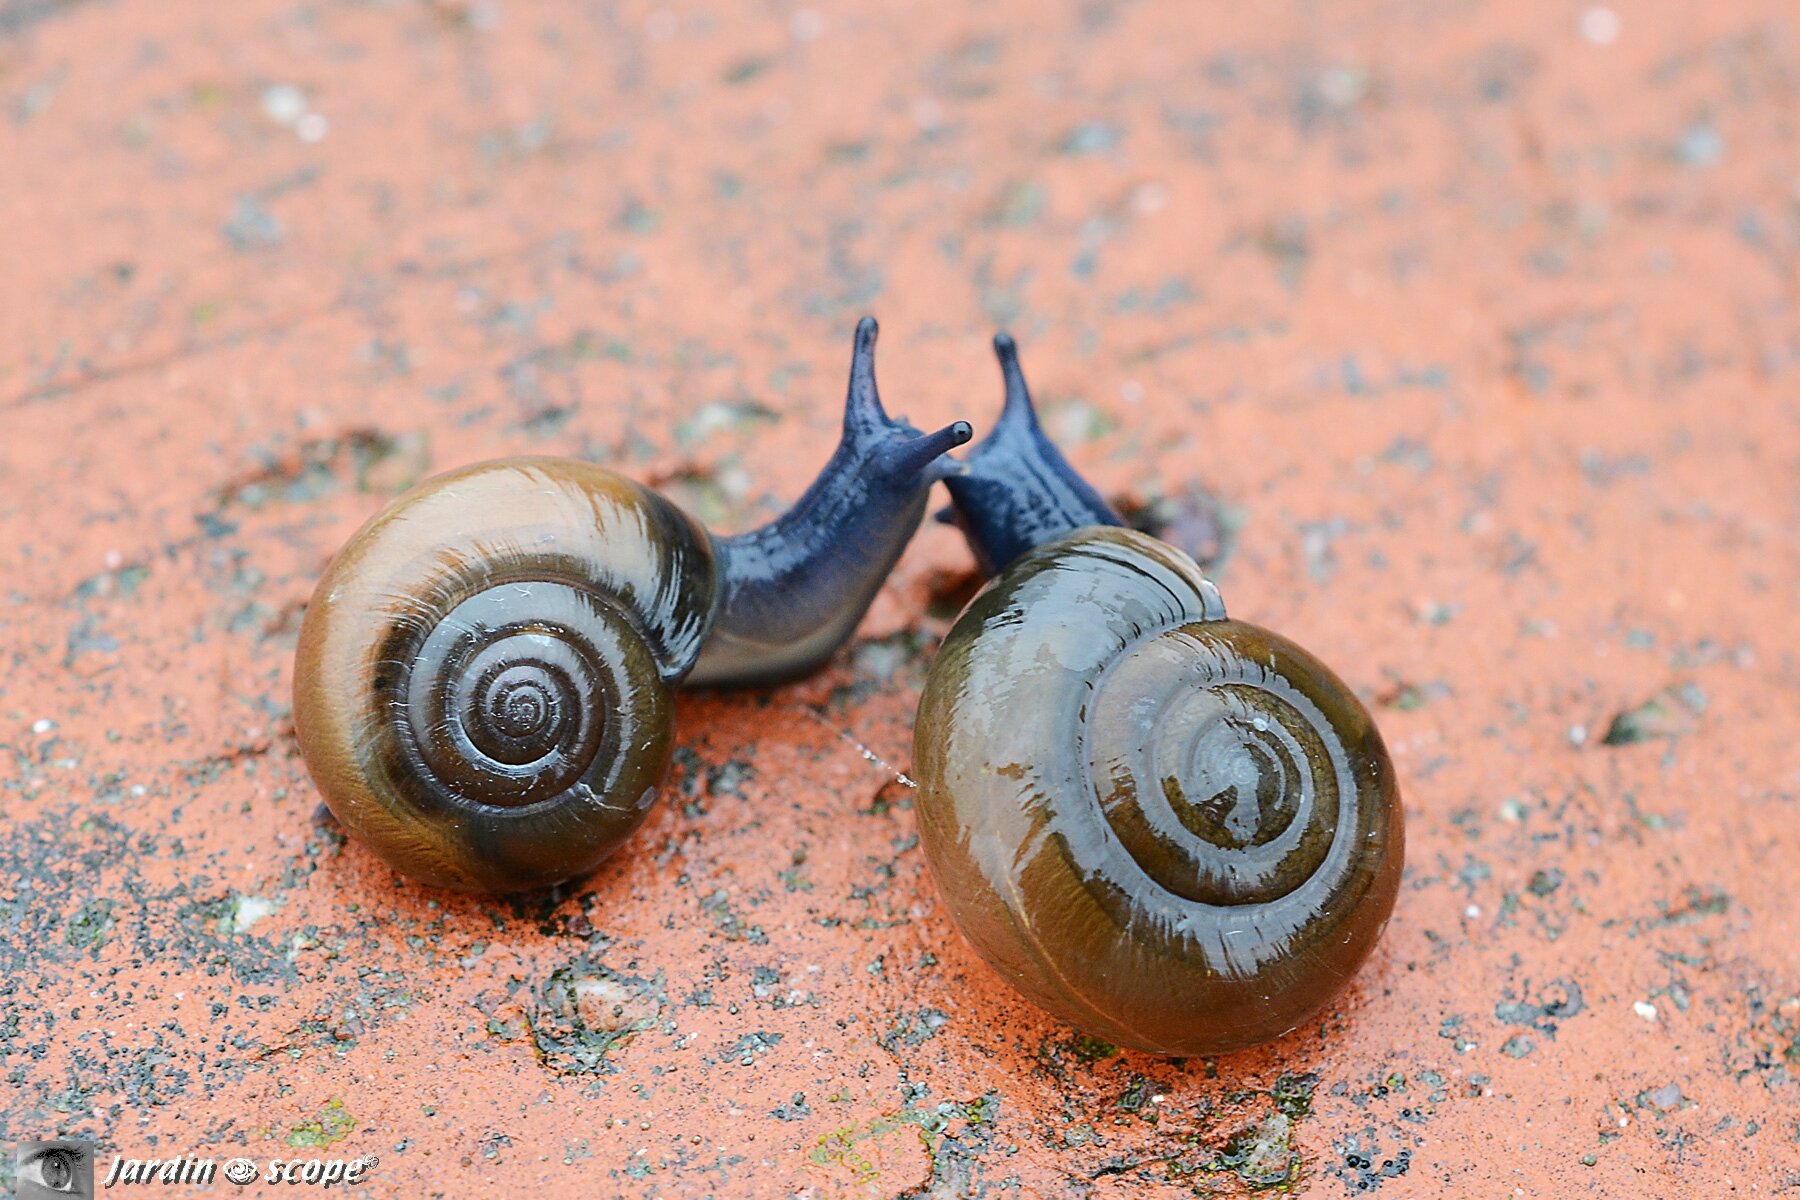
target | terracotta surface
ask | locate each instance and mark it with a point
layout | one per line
(1463, 335)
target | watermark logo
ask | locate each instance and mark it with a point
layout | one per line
(319, 1172)
(62, 1169)
(54, 1170)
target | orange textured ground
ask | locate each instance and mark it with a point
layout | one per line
(1463, 336)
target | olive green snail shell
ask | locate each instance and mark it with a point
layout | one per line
(1171, 829)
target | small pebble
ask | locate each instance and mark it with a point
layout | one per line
(1600, 25)
(283, 103)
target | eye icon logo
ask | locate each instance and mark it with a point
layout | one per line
(46, 1170)
(240, 1170)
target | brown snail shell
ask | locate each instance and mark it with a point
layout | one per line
(482, 688)
(1174, 830)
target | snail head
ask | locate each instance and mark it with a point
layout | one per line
(1017, 491)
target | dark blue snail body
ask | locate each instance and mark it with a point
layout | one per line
(792, 592)
(482, 684)
(1172, 829)
(1018, 491)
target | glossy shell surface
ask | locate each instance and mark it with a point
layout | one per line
(1174, 830)
(482, 686)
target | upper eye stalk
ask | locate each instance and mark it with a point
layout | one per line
(792, 592)
(1018, 491)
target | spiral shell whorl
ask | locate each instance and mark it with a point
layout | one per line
(482, 684)
(1173, 829)
(1233, 796)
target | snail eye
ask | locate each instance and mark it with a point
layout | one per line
(57, 1169)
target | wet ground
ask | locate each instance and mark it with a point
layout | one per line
(1462, 339)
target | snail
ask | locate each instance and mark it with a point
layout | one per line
(482, 687)
(1174, 830)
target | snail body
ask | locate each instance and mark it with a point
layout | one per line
(1172, 829)
(483, 689)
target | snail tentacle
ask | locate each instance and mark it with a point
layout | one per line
(794, 590)
(1017, 490)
